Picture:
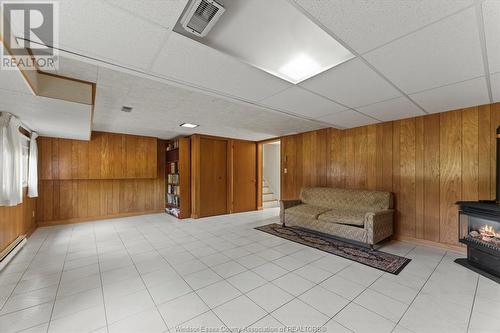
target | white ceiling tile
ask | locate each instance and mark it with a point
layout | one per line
(161, 12)
(13, 80)
(491, 16)
(77, 69)
(303, 102)
(186, 60)
(348, 119)
(455, 96)
(112, 97)
(159, 109)
(98, 29)
(446, 52)
(398, 108)
(366, 24)
(495, 87)
(352, 83)
(115, 78)
(48, 116)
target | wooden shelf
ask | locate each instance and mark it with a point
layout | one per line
(173, 155)
(171, 206)
(182, 157)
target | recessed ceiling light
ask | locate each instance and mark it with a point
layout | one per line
(126, 108)
(188, 125)
(300, 68)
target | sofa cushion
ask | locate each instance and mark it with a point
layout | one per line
(346, 199)
(306, 211)
(350, 217)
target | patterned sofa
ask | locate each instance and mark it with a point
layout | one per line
(359, 215)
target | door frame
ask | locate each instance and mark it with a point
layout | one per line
(260, 168)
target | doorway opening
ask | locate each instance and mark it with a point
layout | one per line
(271, 172)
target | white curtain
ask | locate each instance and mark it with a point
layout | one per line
(11, 182)
(33, 167)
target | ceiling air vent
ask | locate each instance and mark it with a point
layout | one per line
(201, 16)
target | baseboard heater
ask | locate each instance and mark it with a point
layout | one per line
(11, 250)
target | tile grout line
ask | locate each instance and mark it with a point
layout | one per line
(236, 232)
(140, 276)
(48, 233)
(294, 297)
(484, 49)
(319, 284)
(315, 284)
(31, 261)
(368, 287)
(225, 279)
(420, 290)
(22, 275)
(60, 279)
(473, 303)
(100, 277)
(418, 29)
(193, 290)
(408, 305)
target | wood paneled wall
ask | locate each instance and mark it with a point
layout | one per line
(17, 220)
(109, 176)
(429, 162)
(105, 156)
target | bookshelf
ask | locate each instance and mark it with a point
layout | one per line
(178, 178)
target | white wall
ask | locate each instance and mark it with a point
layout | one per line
(271, 167)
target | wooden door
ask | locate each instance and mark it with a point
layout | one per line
(244, 176)
(213, 177)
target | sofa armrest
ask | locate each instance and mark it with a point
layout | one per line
(379, 225)
(284, 204)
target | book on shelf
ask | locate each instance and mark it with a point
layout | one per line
(172, 167)
(173, 189)
(173, 145)
(173, 199)
(173, 179)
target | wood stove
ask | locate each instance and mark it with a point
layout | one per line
(479, 229)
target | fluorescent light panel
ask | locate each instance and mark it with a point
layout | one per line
(188, 125)
(276, 37)
(300, 67)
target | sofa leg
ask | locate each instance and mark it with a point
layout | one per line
(372, 247)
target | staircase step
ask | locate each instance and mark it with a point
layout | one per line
(268, 197)
(270, 204)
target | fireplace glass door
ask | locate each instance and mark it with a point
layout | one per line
(479, 231)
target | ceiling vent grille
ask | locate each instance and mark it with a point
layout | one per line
(201, 16)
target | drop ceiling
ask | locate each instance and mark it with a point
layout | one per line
(274, 36)
(47, 116)
(411, 58)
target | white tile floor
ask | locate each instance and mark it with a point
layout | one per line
(154, 273)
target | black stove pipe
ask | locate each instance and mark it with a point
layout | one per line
(498, 167)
